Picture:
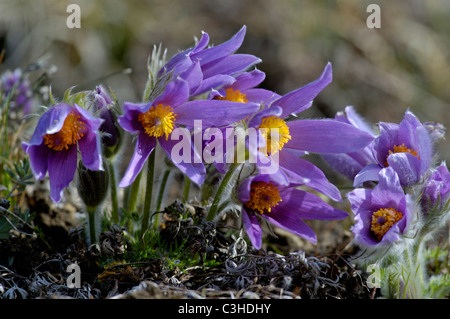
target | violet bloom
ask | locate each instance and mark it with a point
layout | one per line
(296, 138)
(206, 68)
(382, 214)
(111, 133)
(156, 121)
(350, 164)
(436, 191)
(60, 132)
(406, 147)
(284, 206)
(22, 96)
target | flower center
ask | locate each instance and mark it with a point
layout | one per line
(274, 143)
(233, 96)
(157, 121)
(69, 134)
(382, 220)
(400, 149)
(263, 197)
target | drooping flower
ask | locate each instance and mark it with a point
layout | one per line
(60, 132)
(406, 147)
(262, 196)
(17, 84)
(297, 138)
(436, 191)
(157, 120)
(382, 214)
(206, 68)
(111, 132)
(350, 164)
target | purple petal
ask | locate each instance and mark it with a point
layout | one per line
(61, 170)
(300, 99)
(175, 93)
(213, 82)
(50, 122)
(194, 168)
(90, 149)
(344, 164)
(129, 120)
(407, 167)
(368, 173)
(38, 159)
(261, 96)
(308, 206)
(230, 65)
(290, 220)
(252, 228)
(144, 146)
(248, 80)
(326, 136)
(357, 121)
(388, 192)
(213, 113)
(216, 52)
(298, 169)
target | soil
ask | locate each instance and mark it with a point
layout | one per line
(221, 265)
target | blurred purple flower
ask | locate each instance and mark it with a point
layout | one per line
(382, 214)
(156, 120)
(110, 129)
(436, 191)
(60, 132)
(17, 83)
(282, 205)
(406, 147)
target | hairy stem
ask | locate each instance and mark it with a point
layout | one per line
(221, 191)
(113, 185)
(148, 192)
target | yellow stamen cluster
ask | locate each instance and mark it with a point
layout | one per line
(401, 149)
(263, 197)
(383, 220)
(274, 144)
(158, 121)
(69, 134)
(233, 96)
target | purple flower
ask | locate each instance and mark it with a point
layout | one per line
(60, 132)
(22, 94)
(110, 129)
(406, 147)
(208, 68)
(296, 138)
(157, 121)
(382, 214)
(284, 206)
(436, 191)
(350, 164)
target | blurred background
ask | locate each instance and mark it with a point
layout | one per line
(381, 72)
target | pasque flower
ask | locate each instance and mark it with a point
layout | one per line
(297, 137)
(206, 68)
(262, 196)
(436, 191)
(156, 120)
(60, 132)
(406, 147)
(382, 214)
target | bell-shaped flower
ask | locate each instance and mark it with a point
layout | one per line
(60, 132)
(263, 196)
